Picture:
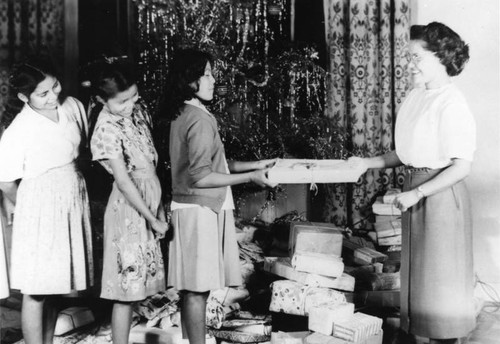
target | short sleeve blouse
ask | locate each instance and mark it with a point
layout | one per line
(33, 144)
(127, 138)
(435, 126)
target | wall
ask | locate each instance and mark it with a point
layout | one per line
(477, 22)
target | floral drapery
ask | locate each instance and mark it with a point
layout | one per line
(366, 45)
(28, 26)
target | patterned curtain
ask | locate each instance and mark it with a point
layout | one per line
(27, 27)
(366, 45)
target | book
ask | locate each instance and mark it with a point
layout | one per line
(307, 171)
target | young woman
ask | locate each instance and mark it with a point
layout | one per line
(435, 139)
(51, 243)
(203, 253)
(134, 219)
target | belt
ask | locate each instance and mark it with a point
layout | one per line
(417, 169)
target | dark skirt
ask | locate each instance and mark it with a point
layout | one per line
(437, 276)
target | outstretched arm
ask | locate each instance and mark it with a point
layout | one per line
(243, 166)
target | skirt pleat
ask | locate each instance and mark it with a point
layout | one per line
(203, 253)
(437, 277)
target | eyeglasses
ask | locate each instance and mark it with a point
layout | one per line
(413, 58)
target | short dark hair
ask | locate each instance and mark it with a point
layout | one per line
(24, 79)
(445, 43)
(107, 79)
(187, 66)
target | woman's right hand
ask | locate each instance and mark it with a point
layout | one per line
(259, 177)
(160, 227)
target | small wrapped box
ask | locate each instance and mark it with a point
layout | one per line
(319, 338)
(357, 328)
(295, 298)
(317, 263)
(280, 337)
(306, 171)
(315, 237)
(73, 318)
(322, 317)
(282, 267)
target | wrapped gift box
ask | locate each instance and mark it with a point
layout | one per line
(295, 298)
(305, 171)
(357, 328)
(322, 318)
(282, 267)
(297, 337)
(73, 318)
(317, 263)
(315, 237)
(319, 338)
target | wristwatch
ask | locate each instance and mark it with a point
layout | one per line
(420, 192)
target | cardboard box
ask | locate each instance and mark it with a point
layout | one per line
(282, 267)
(317, 263)
(315, 237)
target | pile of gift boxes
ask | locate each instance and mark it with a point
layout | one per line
(315, 286)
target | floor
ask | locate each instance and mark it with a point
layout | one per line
(486, 332)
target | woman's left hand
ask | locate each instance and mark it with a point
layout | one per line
(406, 200)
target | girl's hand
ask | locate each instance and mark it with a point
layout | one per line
(267, 163)
(160, 228)
(259, 177)
(406, 200)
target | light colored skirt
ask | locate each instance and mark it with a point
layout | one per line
(437, 276)
(51, 239)
(4, 279)
(203, 253)
(133, 267)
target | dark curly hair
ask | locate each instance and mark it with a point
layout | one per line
(187, 66)
(445, 43)
(24, 79)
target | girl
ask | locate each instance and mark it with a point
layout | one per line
(203, 254)
(134, 219)
(51, 243)
(435, 140)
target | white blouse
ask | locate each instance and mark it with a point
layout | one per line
(33, 144)
(433, 127)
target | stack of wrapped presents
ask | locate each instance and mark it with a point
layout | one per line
(315, 286)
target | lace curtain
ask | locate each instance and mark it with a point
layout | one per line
(28, 26)
(368, 80)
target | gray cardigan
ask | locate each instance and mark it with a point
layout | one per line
(196, 150)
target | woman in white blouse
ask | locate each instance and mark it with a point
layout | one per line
(435, 139)
(51, 239)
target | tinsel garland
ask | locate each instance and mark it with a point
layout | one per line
(270, 93)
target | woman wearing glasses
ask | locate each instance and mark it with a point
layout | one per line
(435, 139)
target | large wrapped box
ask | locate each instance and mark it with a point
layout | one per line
(306, 171)
(282, 267)
(318, 338)
(291, 297)
(317, 263)
(315, 237)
